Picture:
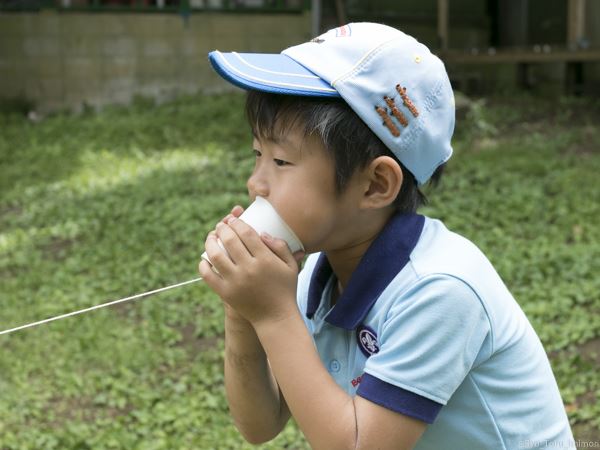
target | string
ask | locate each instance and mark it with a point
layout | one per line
(114, 302)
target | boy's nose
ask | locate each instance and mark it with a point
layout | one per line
(257, 186)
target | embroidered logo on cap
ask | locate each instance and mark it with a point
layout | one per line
(367, 340)
(407, 102)
(387, 121)
(344, 31)
(395, 112)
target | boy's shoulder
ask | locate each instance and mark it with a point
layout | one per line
(440, 264)
(434, 251)
(442, 251)
(453, 276)
(456, 263)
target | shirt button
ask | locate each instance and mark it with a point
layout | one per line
(334, 366)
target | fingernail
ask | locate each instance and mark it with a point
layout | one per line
(231, 219)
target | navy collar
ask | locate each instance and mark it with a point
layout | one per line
(383, 260)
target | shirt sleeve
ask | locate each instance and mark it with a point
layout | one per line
(428, 343)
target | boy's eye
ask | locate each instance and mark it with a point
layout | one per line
(280, 162)
(257, 153)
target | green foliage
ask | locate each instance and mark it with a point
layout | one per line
(103, 205)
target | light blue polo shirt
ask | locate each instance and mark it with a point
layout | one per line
(427, 328)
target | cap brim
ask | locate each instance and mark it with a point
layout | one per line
(274, 73)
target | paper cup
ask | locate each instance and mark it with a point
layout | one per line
(261, 216)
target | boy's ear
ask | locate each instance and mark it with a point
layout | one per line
(382, 181)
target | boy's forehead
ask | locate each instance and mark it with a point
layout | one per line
(284, 141)
(293, 140)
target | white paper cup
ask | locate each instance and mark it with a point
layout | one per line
(261, 216)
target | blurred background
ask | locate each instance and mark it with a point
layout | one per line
(57, 54)
(120, 150)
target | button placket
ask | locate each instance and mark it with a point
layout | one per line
(334, 366)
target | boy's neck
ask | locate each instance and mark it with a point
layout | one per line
(344, 261)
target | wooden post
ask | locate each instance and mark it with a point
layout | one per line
(315, 17)
(442, 22)
(575, 33)
(340, 12)
(576, 22)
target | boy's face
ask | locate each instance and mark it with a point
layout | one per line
(296, 175)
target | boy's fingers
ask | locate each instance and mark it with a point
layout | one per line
(209, 276)
(280, 248)
(218, 257)
(237, 211)
(232, 243)
(248, 236)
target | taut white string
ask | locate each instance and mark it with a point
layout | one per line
(114, 302)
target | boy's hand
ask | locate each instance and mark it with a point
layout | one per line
(230, 313)
(258, 279)
(236, 212)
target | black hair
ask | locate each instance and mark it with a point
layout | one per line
(348, 140)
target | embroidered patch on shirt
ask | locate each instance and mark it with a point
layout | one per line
(367, 340)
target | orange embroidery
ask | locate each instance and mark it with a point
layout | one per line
(396, 112)
(407, 102)
(387, 121)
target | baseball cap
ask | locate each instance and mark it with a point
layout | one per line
(393, 83)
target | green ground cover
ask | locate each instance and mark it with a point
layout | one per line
(103, 205)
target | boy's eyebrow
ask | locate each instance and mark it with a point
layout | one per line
(283, 141)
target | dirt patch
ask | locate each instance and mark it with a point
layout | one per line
(10, 271)
(588, 142)
(61, 410)
(585, 433)
(10, 211)
(125, 310)
(590, 351)
(194, 344)
(57, 249)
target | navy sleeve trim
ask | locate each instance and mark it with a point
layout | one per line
(398, 399)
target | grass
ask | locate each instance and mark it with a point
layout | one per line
(104, 205)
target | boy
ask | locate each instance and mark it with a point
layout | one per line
(398, 334)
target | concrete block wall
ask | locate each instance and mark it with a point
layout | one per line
(62, 61)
